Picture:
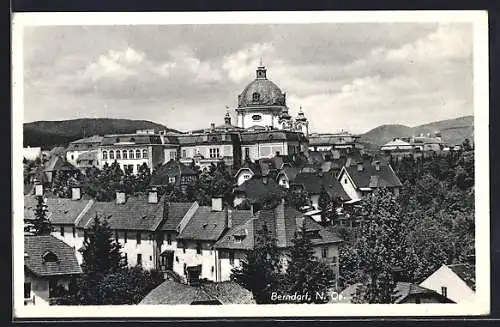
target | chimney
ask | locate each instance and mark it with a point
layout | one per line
(360, 166)
(120, 197)
(75, 193)
(252, 212)
(216, 204)
(229, 217)
(153, 196)
(377, 165)
(39, 190)
(374, 181)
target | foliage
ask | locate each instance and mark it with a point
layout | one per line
(297, 199)
(305, 273)
(260, 271)
(41, 224)
(63, 182)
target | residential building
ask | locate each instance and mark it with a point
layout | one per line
(286, 176)
(53, 166)
(247, 171)
(84, 145)
(173, 172)
(32, 153)
(172, 293)
(257, 144)
(362, 178)
(329, 141)
(456, 282)
(282, 222)
(49, 268)
(131, 151)
(257, 191)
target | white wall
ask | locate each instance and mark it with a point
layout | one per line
(32, 153)
(190, 257)
(267, 119)
(76, 242)
(224, 263)
(457, 289)
(283, 181)
(40, 288)
(131, 248)
(348, 186)
(243, 176)
(124, 162)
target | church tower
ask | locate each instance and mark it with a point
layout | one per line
(301, 123)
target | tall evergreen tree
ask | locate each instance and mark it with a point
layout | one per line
(261, 270)
(305, 273)
(101, 252)
(41, 224)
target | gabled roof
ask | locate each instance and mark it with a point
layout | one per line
(175, 212)
(239, 237)
(396, 143)
(466, 272)
(289, 172)
(253, 167)
(60, 211)
(131, 138)
(135, 214)
(258, 189)
(385, 177)
(173, 168)
(205, 225)
(57, 163)
(313, 183)
(217, 137)
(172, 293)
(36, 247)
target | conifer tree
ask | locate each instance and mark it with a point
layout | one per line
(41, 224)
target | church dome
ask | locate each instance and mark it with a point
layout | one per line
(261, 92)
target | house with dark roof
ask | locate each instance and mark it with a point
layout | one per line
(53, 166)
(362, 178)
(247, 171)
(286, 176)
(257, 191)
(283, 222)
(404, 293)
(49, 268)
(173, 172)
(456, 282)
(173, 293)
(315, 183)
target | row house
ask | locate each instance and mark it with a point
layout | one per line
(363, 177)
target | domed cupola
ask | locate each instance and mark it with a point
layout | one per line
(261, 92)
(300, 116)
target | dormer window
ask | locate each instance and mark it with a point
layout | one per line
(49, 256)
(255, 96)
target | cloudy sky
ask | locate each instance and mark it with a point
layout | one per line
(345, 76)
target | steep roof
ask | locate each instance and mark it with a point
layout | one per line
(135, 214)
(290, 172)
(241, 236)
(170, 169)
(386, 176)
(466, 272)
(57, 163)
(205, 225)
(172, 293)
(60, 210)
(131, 138)
(175, 212)
(313, 183)
(259, 189)
(35, 247)
(248, 137)
(216, 137)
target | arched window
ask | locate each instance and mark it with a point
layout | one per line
(138, 154)
(118, 154)
(255, 96)
(144, 154)
(131, 154)
(104, 155)
(125, 154)
(111, 154)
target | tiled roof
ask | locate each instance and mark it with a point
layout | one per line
(290, 172)
(132, 138)
(89, 155)
(57, 163)
(329, 139)
(91, 139)
(313, 183)
(404, 290)
(205, 225)
(36, 246)
(244, 231)
(386, 176)
(172, 293)
(175, 212)
(270, 136)
(60, 210)
(466, 272)
(172, 168)
(258, 189)
(135, 214)
(206, 138)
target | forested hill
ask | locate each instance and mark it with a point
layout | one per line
(52, 133)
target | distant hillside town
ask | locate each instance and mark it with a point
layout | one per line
(194, 213)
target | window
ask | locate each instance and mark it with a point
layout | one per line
(144, 154)
(27, 290)
(139, 259)
(231, 257)
(171, 180)
(444, 291)
(138, 168)
(126, 258)
(214, 152)
(111, 154)
(125, 154)
(74, 231)
(277, 153)
(150, 258)
(118, 154)
(247, 153)
(124, 237)
(198, 248)
(245, 177)
(255, 96)
(138, 237)
(324, 252)
(131, 154)
(85, 235)
(345, 180)
(173, 155)
(169, 239)
(116, 236)
(62, 231)
(183, 247)
(256, 117)
(212, 270)
(334, 260)
(138, 154)
(105, 155)
(130, 168)
(72, 157)
(184, 154)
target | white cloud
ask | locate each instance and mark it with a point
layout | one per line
(240, 65)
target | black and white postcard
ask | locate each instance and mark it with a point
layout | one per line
(321, 163)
